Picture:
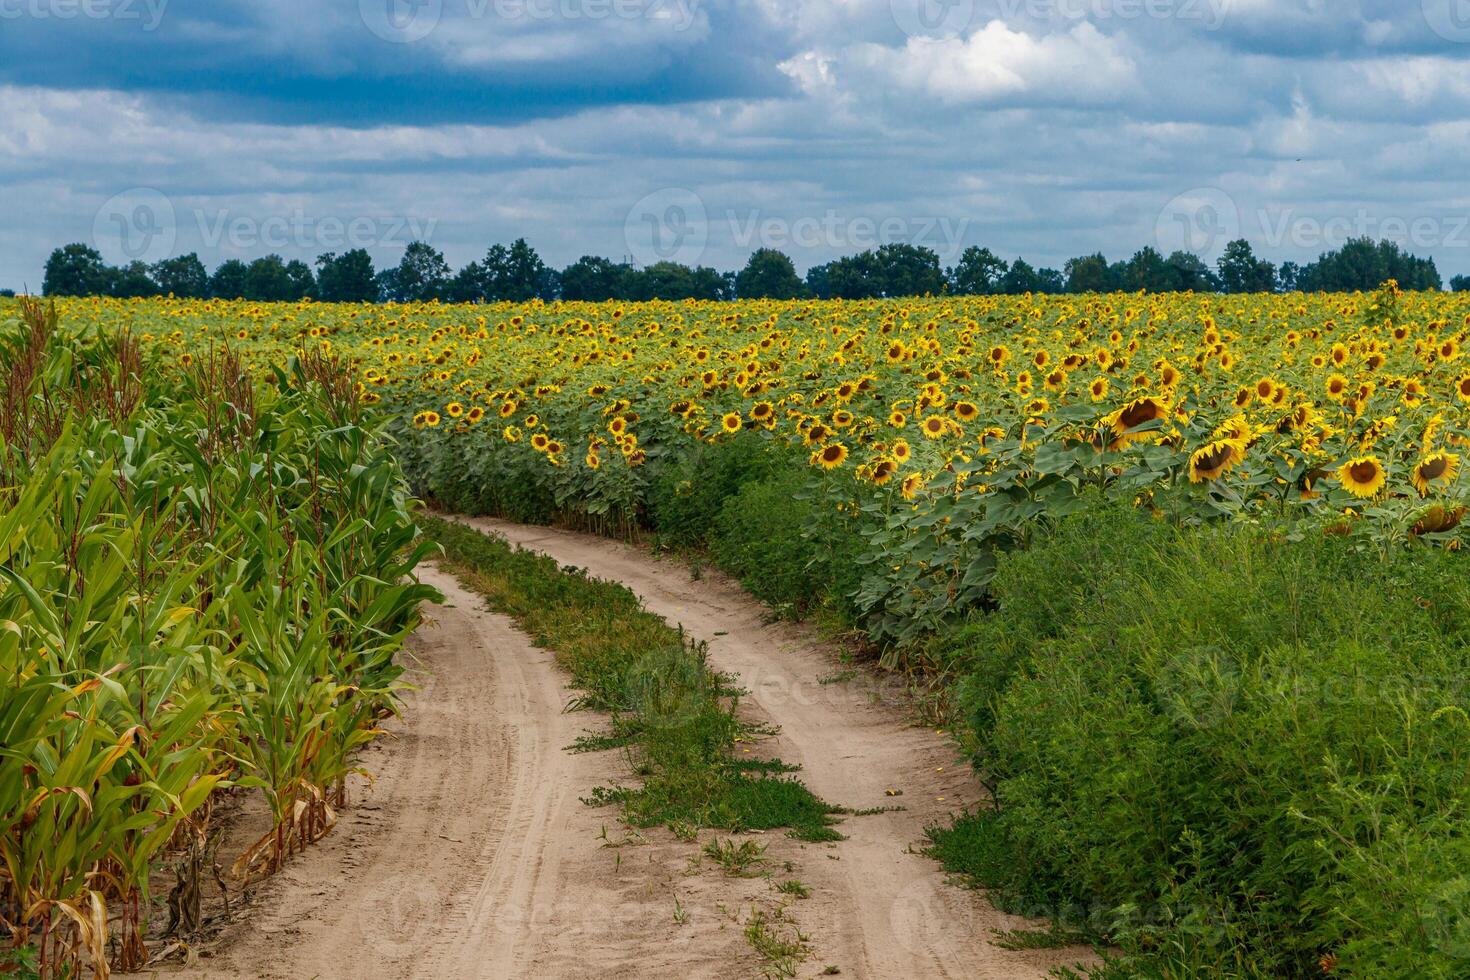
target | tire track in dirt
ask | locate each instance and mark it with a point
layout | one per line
(881, 910)
(473, 855)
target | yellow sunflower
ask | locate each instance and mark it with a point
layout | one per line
(1140, 412)
(830, 456)
(1362, 477)
(1435, 469)
(1213, 460)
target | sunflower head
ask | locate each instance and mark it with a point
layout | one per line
(1126, 421)
(1436, 469)
(1362, 477)
(1213, 460)
(830, 456)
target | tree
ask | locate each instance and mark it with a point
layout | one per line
(1363, 265)
(1241, 272)
(1188, 272)
(346, 278)
(593, 278)
(908, 270)
(1021, 277)
(1089, 274)
(977, 273)
(267, 280)
(768, 274)
(1460, 283)
(1288, 276)
(516, 274)
(672, 281)
(469, 285)
(184, 277)
(133, 280)
(228, 281)
(75, 270)
(1148, 271)
(421, 275)
(1050, 281)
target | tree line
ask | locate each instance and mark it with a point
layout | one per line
(517, 273)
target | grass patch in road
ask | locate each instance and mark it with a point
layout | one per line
(674, 714)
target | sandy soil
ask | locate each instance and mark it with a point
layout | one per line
(879, 909)
(473, 855)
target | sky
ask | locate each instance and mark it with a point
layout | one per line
(700, 130)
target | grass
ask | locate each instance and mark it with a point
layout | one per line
(674, 715)
(738, 860)
(782, 949)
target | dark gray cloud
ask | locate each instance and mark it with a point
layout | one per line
(1047, 128)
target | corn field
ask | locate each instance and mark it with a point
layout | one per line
(203, 586)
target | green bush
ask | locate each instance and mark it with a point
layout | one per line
(1231, 753)
(786, 545)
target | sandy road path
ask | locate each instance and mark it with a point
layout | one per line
(473, 856)
(882, 911)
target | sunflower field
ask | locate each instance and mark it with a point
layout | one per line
(936, 430)
(1128, 546)
(204, 579)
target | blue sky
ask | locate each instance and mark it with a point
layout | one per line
(700, 130)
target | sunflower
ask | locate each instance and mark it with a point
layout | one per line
(1133, 416)
(1337, 387)
(911, 486)
(1436, 468)
(966, 411)
(1213, 460)
(730, 422)
(1462, 389)
(540, 441)
(454, 410)
(762, 412)
(882, 471)
(830, 456)
(475, 414)
(901, 451)
(1098, 389)
(934, 426)
(593, 461)
(1362, 477)
(1437, 519)
(431, 419)
(897, 419)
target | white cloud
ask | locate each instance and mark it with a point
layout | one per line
(994, 65)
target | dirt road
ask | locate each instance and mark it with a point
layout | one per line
(473, 856)
(886, 911)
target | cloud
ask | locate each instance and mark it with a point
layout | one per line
(1046, 128)
(997, 65)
